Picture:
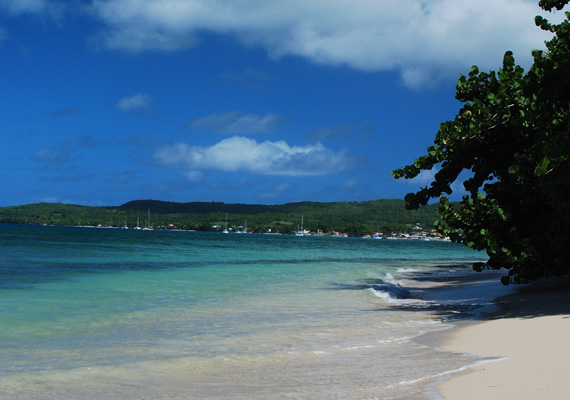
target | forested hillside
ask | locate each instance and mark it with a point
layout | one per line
(353, 218)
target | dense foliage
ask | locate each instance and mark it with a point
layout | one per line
(513, 136)
(353, 218)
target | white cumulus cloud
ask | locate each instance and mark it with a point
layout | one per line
(243, 154)
(422, 40)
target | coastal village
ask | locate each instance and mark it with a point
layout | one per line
(416, 232)
(419, 234)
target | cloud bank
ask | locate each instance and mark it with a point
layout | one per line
(243, 154)
(420, 39)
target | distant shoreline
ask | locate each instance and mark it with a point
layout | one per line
(397, 236)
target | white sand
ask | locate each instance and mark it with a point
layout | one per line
(533, 333)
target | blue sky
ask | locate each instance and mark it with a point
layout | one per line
(239, 101)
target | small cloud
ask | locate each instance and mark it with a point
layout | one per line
(192, 176)
(23, 6)
(134, 104)
(62, 152)
(282, 187)
(64, 112)
(424, 178)
(342, 132)
(349, 184)
(53, 9)
(267, 158)
(137, 39)
(236, 122)
(51, 155)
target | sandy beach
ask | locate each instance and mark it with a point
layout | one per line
(527, 346)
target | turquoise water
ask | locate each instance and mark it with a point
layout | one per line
(269, 316)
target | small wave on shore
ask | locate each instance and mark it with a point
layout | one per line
(390, 292)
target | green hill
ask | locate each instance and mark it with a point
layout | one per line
(353, 218)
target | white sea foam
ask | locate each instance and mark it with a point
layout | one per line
(421, 326)
(388, 277)
(449, 372)
(395, 295)
(359, 347)
(407, 270)
(396, 339)
(382, 295)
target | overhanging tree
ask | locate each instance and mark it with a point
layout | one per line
(513, 135)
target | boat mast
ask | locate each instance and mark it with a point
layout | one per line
(226, 230)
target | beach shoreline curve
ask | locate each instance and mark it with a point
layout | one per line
(527, 338)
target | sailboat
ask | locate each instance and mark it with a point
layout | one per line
(138, 228)
(226, 230)
(302, 231)
(147, 227)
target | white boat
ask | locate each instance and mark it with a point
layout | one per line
(226, 229)
(302, 231)
(147, 227)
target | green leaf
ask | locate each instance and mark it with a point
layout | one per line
(542, 167)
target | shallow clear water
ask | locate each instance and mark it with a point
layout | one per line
(136, 314)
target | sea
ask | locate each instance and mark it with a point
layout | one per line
(92, 313)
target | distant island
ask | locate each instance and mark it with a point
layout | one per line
(380, 218)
